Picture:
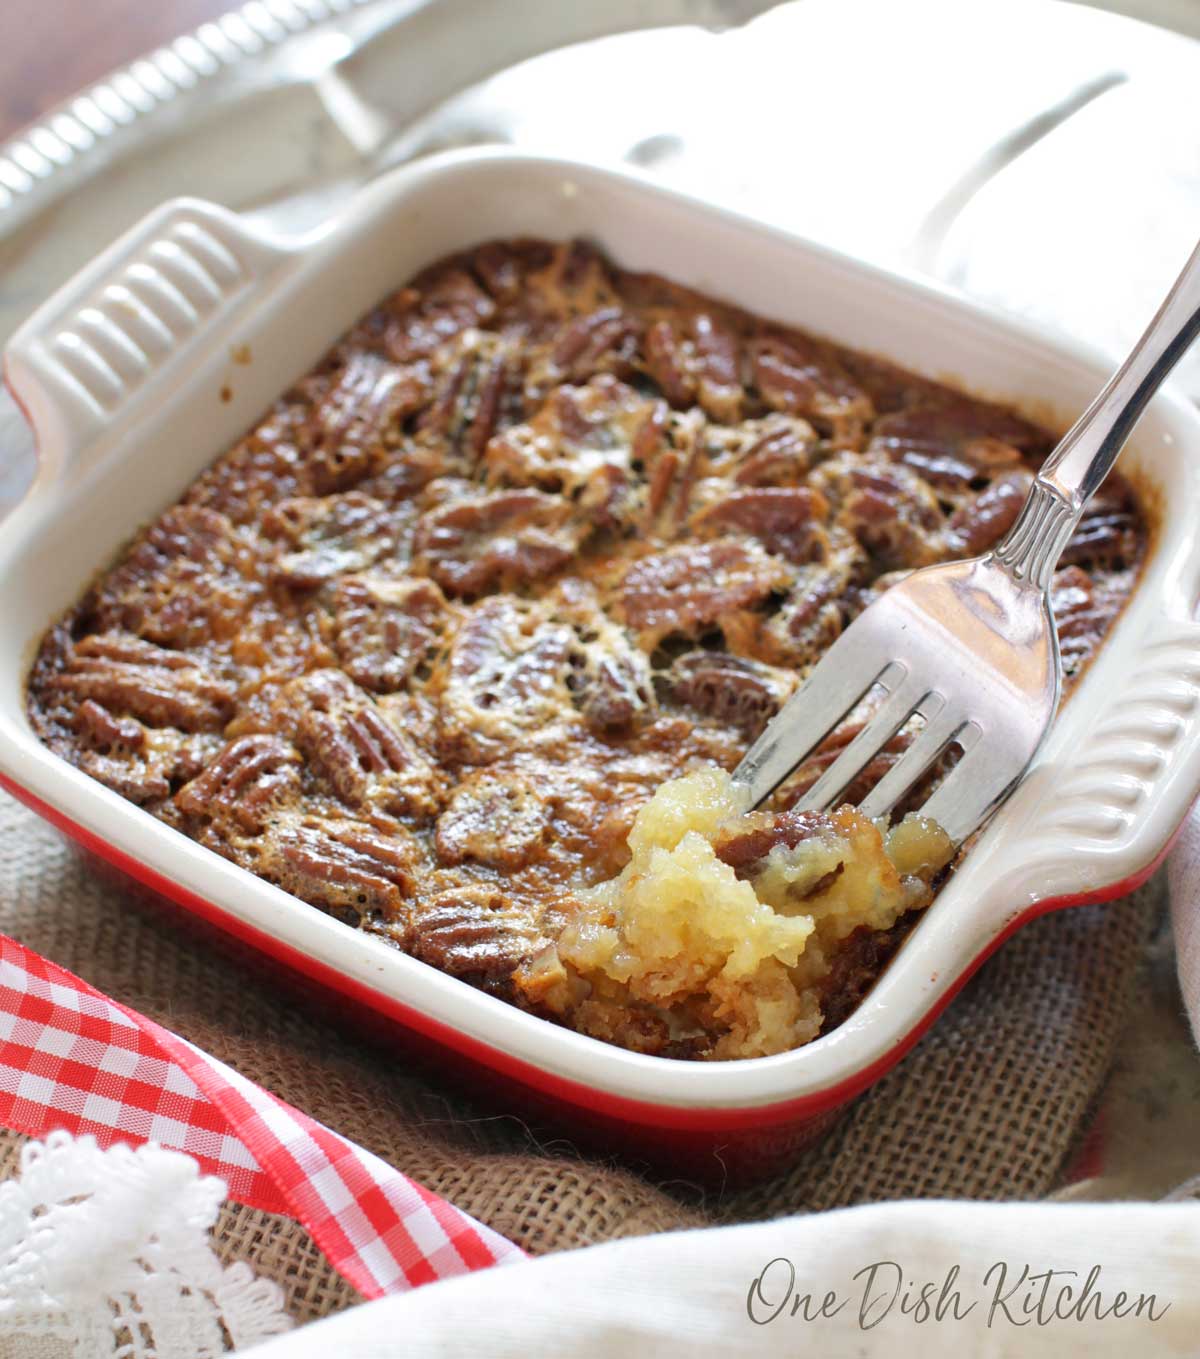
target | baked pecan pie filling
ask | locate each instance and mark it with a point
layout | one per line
(460, 642)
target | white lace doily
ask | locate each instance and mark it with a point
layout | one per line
(107, 1253)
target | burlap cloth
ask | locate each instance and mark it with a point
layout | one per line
(989, 1105)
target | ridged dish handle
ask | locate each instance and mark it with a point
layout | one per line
(94, 357)
(1144, 752)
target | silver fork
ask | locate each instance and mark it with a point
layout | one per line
(970, 647)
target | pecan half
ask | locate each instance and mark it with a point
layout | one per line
(161, 688)
(350, 868)
(696, 360)
(675, 462)
(334, 535)
(499, 820)
(734, 690)
(267, 466)
(799, 376)
(347, 739)
(610, 680)
(811, 617)
(892, 513)
(777, 453)
(474, 931)
(505, 679)
(385, 630)
(609, 676)
(104, 732)
(179, 584)
(246, 783)
(495, 542)
(500, 266)
(952, 443)
(585, 439)
(610, 500)
(441, 304)
(357, 420)
(1108, 534)
(136, 780)
(1084, 607)
(613, 688)
(140, 764)
(604, 340)
(688, 586)
(781, 518)
(981, 521)
(473, 391)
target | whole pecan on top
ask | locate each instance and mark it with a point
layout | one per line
(777, 451)
(1108, 535)
(162, 688)
(475, 392)
(601, 341)
(590, 443)
(418, 320)
(1084, 607)
(954, 443)
(500, 820)
(336, 535)
(799, 376)
(694, 584)
(781, 518)
(496, 541)
(140, 764)
(186, 580)
(980, 521)
(732, 689)
(475, 931)
(357, 420)
(696, 360)
(892, 512)
(352, 868)
(250, 778)
(505, 680)
(385, 630)
(367, 760)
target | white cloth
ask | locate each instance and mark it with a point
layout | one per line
(690, 1293)
(108, 1253)
(1183, 888)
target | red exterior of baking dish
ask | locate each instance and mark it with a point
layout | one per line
(719, 1147)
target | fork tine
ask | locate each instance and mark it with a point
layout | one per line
(907, 694)
(939, 731)
(962, 801)
(811, 713)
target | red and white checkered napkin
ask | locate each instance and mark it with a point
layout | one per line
(71, 1058)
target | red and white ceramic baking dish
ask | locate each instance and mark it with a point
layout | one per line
(131, 378)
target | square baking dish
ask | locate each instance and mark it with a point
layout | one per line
(160, 354)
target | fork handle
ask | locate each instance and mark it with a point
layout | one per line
(1072, 474)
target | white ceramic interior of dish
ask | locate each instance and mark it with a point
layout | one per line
(131, 377)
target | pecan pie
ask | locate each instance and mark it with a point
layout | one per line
(460, 642)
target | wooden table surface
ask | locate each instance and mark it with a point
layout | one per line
(52, 48)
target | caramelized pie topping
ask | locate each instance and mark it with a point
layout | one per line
(459, 642)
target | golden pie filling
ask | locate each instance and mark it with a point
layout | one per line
(460, 642)
(724, 923)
